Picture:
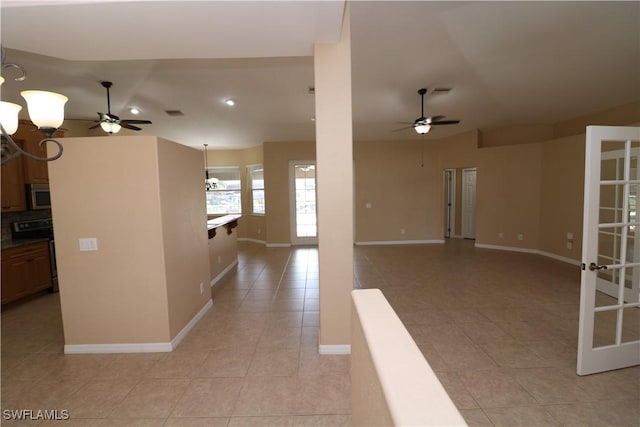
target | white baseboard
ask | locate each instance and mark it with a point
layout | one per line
(560, 258)
(529, 251)
(335, 349)
(156, 347)
(194, 320)
(399, 242)
(222, 273)
(278, 245)
(249, 239)
(506, 248)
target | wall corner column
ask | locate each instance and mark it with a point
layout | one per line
(334, 157)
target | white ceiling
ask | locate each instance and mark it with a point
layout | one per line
(508, 63)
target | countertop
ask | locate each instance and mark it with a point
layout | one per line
(11, 243)
(217, 222)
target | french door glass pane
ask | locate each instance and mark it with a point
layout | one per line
(305, 189)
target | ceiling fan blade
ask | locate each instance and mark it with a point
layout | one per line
(435, 118)
(445, 122)
(405, 128)
(95, 126)
(136, 122)
(128, 126)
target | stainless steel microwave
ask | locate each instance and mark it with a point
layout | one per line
(38, 196)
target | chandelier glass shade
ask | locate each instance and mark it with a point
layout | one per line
(9, 116)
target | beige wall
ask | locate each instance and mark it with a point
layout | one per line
(223, 251)
(406, 195)
(109, 188)
(276, 176)
(562, 189)
(184, 232)
(334, 188)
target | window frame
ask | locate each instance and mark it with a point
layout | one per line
(250, 170)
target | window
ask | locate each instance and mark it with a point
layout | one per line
(256, 183)
(223, 191)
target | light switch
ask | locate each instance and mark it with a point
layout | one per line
(88, 244)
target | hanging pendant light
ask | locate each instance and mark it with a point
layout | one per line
(46, 111)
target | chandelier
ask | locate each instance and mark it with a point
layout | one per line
(46, 111)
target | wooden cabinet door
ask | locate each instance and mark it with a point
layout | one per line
(25, 271)
(35, 171)
(13, 193)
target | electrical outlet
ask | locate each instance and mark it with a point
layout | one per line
(402, 231)
(219, 259)
(521, 236)
(368, 205)
(501, 235)
(259, 231)
(201, 288)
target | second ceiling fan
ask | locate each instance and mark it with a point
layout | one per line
(422, 124)
(111, 123)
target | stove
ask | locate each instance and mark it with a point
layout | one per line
(32, 229)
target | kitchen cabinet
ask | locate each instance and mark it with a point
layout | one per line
(25, 271)
(34, 171)
(13, 193)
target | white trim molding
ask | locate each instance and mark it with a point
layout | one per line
(334, 349)
(399, 242)
(222, 273)
(529, 251)
(278, 245)
(194, 320)
(249, 239)
(155, 347)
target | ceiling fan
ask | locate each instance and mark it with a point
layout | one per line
(111, 123)
(423, 124)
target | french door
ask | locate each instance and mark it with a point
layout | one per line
(304, 220)
(609, 330)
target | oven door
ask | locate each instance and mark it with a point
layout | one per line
(54, 268)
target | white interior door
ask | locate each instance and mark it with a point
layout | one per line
(469, 203)
(609, 330)
(302, 186)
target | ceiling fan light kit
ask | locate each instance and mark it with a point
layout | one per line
(422, 125)
(111, 123)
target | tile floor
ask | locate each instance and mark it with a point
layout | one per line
(498, 328)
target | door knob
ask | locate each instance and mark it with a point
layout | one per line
(593, 267)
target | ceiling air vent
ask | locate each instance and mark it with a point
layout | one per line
(441, 90)
(174, 113)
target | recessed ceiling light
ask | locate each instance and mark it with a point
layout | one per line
(313, 119)
(134, 110)
(230, 102)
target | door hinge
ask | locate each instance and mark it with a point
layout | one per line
(583, 266)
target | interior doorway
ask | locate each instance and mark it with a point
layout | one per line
(469, 176)
(302, 196)
(449, 203)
